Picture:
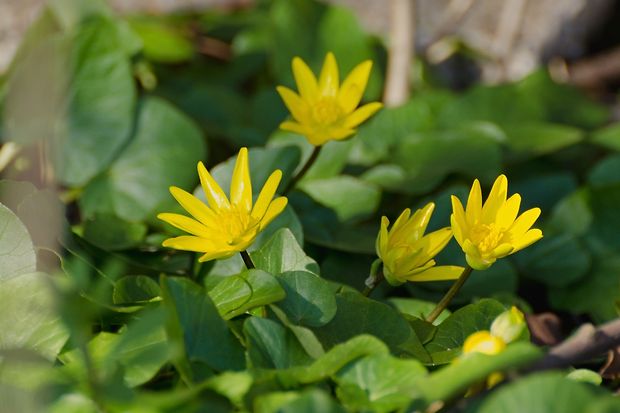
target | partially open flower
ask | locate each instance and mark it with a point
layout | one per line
(407, 253)
(324, 109)
(224, 227)
(493, 230)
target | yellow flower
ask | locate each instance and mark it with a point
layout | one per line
(493, 230)
(225, 226)
(324, 110)
(407, 253)
(483, 342)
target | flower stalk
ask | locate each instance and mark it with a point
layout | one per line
(247, 260)
(445, 301)
(293, 182)
(375, 277)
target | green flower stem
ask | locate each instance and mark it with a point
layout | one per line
(247, 260)
(445, 301)
(375, 277)
(304, 169)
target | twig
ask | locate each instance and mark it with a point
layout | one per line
(589, 73)
(454, 13)
(400, 53)
(586, 343)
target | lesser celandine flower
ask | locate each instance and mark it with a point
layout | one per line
(225, 226)
(493, 230)
(324, 109)
(407, 253)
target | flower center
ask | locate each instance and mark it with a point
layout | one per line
(235, 224)
(326, 111)
(486, 236)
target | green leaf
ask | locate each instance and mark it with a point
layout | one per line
(357, 315)
(17, 255)
(272, 346)
(378, 138)
(196, 327)
(332, 361)
(28, 317)
(378, 383)
(595, 294)
(427, 157)
(112, 233)
(322, 227)
(142, 349)
(606, 172)
(238, 294)
(488, 103)
(135, 289)
(572, 214)
(418, 308)
(453, 380)
(604, 203)
(608, 137)
(282, 253)
(311, 401)
(337, 192)
(162, 42)
(310, 301)
(451, 334)
(164, 151)
(556, 260)
(541, 138)
(563, 103)
(102, 99)
(536, 393)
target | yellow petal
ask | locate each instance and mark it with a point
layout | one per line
(189, 243)
(509, 211)
(483, 342)
(435, 241)
(528, 239)
(240, 184)
(473, 210)
(295, 104)
(306, 82)
(496, 199)
(273, 210)
(457, 220)
(266, 194)
(524, 222)
(415, 227)
(185, 224)
(381, 244)
(339, 134)
(412, 264)
(353, 86)
(328, 80)
(216, 255)
(294, 127)
(438, 273)
(502, 250)
(195, 207)
(215, 196)
(400, 221)
(361, 114)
